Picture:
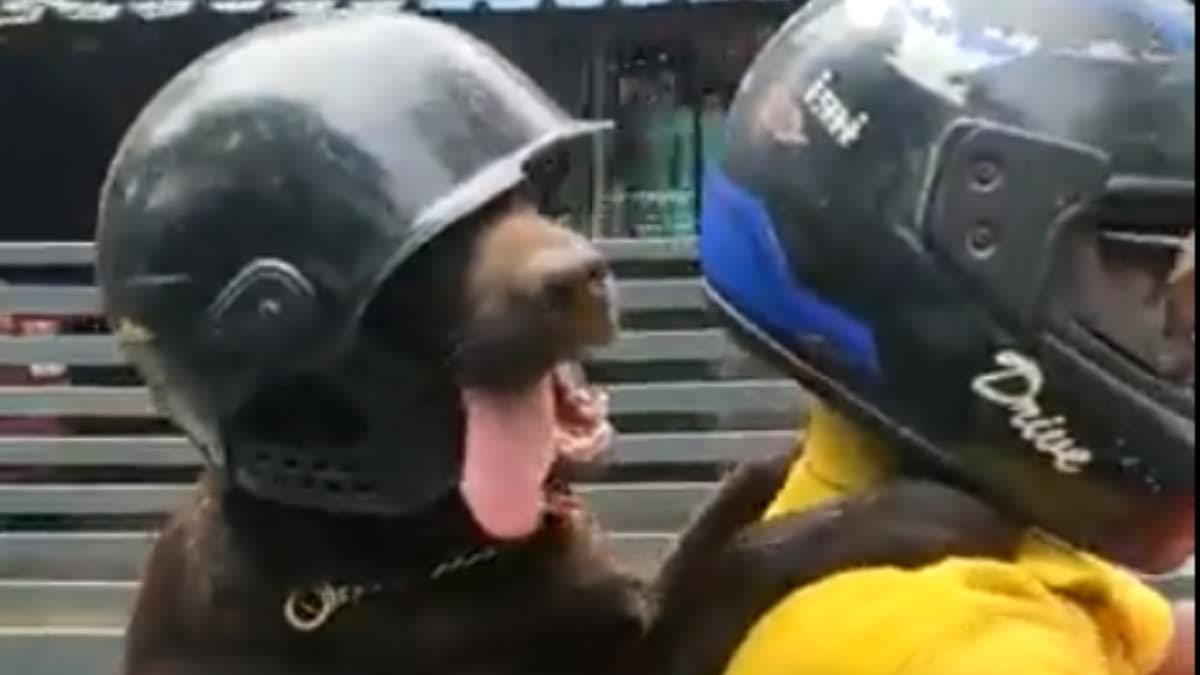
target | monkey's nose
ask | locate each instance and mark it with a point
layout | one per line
(576, 285)
(570, 273)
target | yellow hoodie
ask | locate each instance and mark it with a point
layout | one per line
(1054, 611)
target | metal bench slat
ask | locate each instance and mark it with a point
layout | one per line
(175, 451)
(704, 447)
(82, 253)
(633, 347)
(636, 296)
(708, 397)
(91, 499)
(621, 507)
(670, 249)
(778, 396)
(661, 295)
(120, 556)
(78, 556)
(47, 253)
(76, 401)
(81, 604)
(66, 300)
(132, 451)
(76, 350)
(49, 651)
(676, 345)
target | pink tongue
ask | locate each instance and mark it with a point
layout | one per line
(510, 449)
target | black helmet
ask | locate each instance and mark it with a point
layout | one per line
(257, 205)
(961, 221)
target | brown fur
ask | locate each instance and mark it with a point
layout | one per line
(214, 591)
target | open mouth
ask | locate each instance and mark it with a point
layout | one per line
(515, 441)
(583, 431)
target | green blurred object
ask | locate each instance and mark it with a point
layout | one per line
(712, 132)
(660, 186)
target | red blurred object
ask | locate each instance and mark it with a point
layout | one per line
(37, 374)
(1182, 657)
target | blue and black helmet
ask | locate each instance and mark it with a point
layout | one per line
(970, 224)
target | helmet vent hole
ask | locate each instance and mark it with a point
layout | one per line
(983, 240)
(986, 175)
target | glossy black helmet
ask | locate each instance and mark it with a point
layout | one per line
(970, 224)
(255, 208)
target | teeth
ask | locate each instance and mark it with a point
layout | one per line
(576, 389)
(587, 447)
(571, 373)
(590, 434)
(584, 397)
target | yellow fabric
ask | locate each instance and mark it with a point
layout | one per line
(1054, 611)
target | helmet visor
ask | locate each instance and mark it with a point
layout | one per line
(1131, 286)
